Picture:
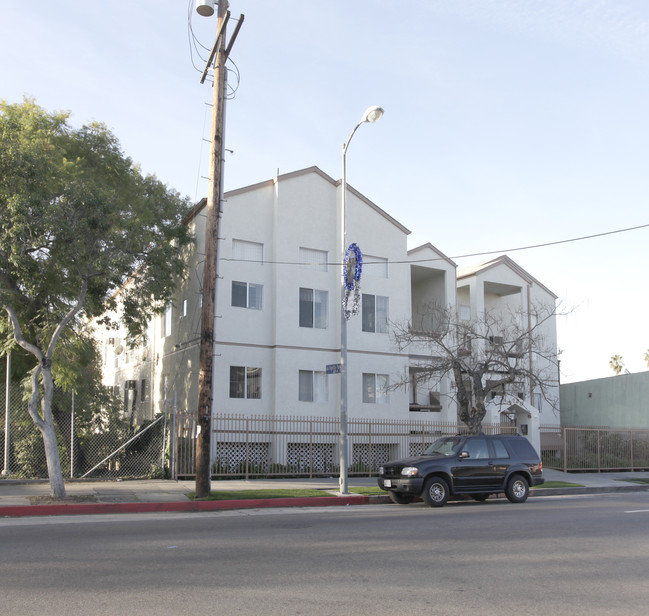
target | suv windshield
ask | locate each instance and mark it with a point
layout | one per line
(446, 446)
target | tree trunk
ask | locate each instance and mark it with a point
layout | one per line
(54, 472)
(46, 426)
(472, 418)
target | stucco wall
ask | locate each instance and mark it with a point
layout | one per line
(619, 402)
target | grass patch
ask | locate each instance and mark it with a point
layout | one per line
(368, 491)
(267, 493)
(558, 484)
(640, 480)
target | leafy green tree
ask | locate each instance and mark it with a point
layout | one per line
(646, 358)
(78, 220)
(616, 364)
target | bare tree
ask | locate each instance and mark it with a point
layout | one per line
(497, 353)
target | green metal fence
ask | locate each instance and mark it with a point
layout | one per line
(595, 449)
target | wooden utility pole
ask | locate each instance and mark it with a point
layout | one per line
(213, 212)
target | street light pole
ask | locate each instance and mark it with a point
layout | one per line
(372, 114)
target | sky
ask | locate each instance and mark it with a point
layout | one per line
(508, 123)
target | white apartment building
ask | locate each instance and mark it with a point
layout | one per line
(500, 286)
(278, 307)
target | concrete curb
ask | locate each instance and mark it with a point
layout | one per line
(13, 511)
(257, 503)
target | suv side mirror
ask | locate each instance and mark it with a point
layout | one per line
(464, 455)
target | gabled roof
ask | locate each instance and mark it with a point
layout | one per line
(413, 253)
(474, 270)
(285, 176)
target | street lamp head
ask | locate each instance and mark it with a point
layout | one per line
(372, 114)
(205, 8)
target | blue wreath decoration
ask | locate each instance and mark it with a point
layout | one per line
(358, 266)
(352, 269)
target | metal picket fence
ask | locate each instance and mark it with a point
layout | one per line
(598, 449)
(288, 446)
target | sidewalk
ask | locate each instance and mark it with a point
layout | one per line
(31, 498)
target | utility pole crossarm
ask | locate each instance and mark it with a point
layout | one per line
(215, 48)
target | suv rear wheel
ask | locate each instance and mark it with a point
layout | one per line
(517, 489)
(435, 492)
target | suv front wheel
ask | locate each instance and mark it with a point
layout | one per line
(517, 489)
(435, 492)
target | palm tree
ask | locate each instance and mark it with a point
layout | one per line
(646, 358)
(616, 364)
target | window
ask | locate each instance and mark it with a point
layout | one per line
(245, 382)
(464, 312)
(143, 389)
(130, 396)
(166, 322)
(312, 386)
(246, 295)
(496, 341)
(375, 388)
(313, 308)
(375, 313)
(499, 448)
(183, 312)
(375, 266)
(314, 260)
(248, 251)
(477, 448)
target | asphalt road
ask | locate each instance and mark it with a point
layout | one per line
(552, 555)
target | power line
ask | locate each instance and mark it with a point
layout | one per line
(555, 243)
(474, 254)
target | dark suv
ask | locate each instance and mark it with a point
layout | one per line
(476, 465)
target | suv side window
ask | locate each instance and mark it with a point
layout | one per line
(499, 448)
(477, 448)
(522, 448)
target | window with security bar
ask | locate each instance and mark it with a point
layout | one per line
(245, 382)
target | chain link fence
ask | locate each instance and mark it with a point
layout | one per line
(92, 444)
